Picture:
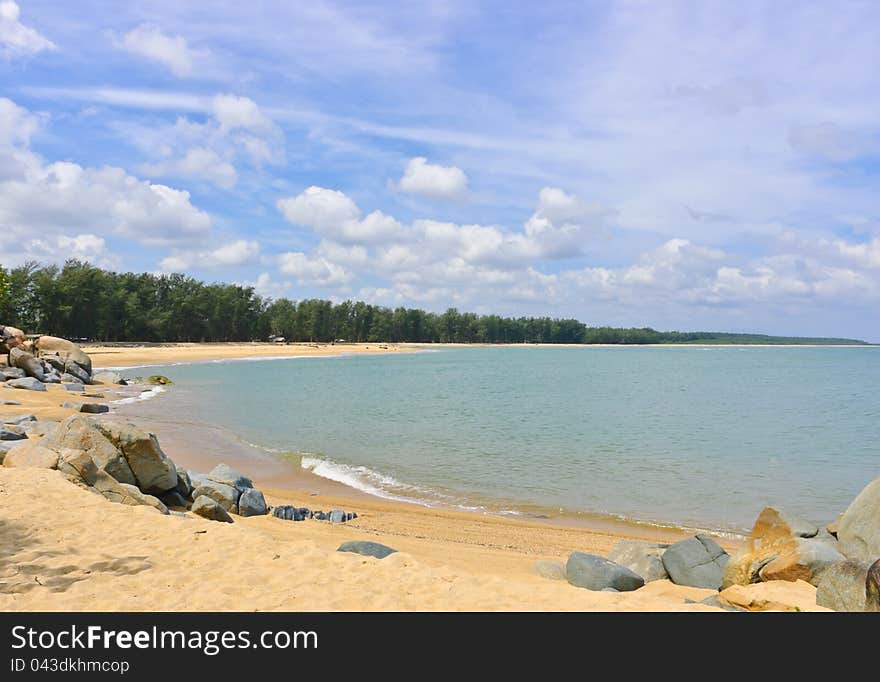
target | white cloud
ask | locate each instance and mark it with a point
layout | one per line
(313, 270)
(239, 252)
(17, 125)
(563, 224)
(16, 39)
(197, 162)
(148, 41)
(265, 286)
(433, 181)
(57, 249)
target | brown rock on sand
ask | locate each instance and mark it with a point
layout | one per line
(777, 595)
(31, 455)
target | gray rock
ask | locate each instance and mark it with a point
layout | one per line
(108, 378)
(208, 508)
(288, 512)
(19, 419)
(859, 529)
(27, 384)
(75, 370)
(12, 432)
(184, 485)
(596, 573)
(173, 499)
(12, 373)
(842, 587)
(696, 562)
(94, 408)
(79, 432)
(319, 516)
(223, 473)
(71, 380)
(9, 402)
(337, 516)
(366, 548)
(252, 503)
(144, 499)
(153, 471)
(715, 601)
(225, 495)
(552, 570)
(20, 358)
(642, 558)
(39, 428)
(196, 479)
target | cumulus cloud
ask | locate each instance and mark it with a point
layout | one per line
(239, 252)
(313, 270)
(57, 249)
(148, 41)
(265, 286)
(235, 131)
(433, 181)
(16, 39)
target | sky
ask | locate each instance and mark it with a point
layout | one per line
(681, 165)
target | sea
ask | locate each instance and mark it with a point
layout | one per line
(695, 436)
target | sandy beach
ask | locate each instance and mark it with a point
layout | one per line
(68, 549)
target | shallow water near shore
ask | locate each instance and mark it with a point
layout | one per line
(694, 436)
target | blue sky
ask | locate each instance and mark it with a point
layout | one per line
(688, 165)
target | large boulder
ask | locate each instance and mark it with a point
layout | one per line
(81, 433)
(27, 384)
(366, 548)
(78, 465)
(107, 377)
(252, 503)
(224, 495)
(806, 560)
(598, 573)
(223, 473)
(698, 561)
(775, 535)
(642, 558)
(859, 529)
(68, 350)
(842, 586)
(33, 368)
(31, 455)
(208, 508)
(153, 471)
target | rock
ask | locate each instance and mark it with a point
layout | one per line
(319, 516)
(779, 595)
(33, 368)
(12, 373)
(77, 464)
(337, 516)
(697, 562)
(53, 361)
(223, 473)
(196, 479)
(38, 428)
(94, 408)
(141, 498)
(31, 456)
(834, 527)
(19, 419)
(9, 402)
(225, 495)
(552, 570)
(73, 380)
(27, 384)
(642, 558)
(872, 588)
(153, 471)
(74, 370)
(208, 508)
(806, 561)
(252, 503)
(859, 530)
(68, 350)
(173, 499)
(81, 433)
(12, 432)
(108, 378)
(366, 548)
(596, 573)
(184, 485)
(288, 513)
(842, 587)
(158, 380)
(715, 601)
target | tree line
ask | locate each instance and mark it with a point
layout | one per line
(80, 301)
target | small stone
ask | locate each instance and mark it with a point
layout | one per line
(252, 503)
(27, 384)
(337, 516)
(207, 508)
(94, 408)
(287, 512)
(366, 548)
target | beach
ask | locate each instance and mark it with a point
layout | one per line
(68, 549)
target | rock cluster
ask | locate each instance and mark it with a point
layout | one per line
(290, 513)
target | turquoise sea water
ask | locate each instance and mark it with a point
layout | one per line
(690, 435)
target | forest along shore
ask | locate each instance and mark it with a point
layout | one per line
(106, 556)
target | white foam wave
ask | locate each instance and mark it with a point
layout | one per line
(144, 395)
